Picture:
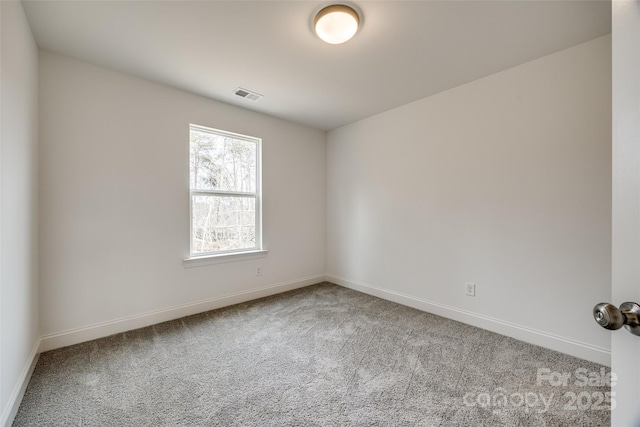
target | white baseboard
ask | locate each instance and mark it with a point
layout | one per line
(104, 329)
(554, 342)
(9, 412)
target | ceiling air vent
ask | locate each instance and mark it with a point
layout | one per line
(253, 96)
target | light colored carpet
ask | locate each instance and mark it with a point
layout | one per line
(318, 356)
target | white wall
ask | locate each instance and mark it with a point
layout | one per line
(115, 203)
(18, 206)
(505, 182)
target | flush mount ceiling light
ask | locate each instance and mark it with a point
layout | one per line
(336, 24)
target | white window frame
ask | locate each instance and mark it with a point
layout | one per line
(204, 258)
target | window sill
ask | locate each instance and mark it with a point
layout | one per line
(200, 261)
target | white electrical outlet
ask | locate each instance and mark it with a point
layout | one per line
(258, 271)
(470, 289)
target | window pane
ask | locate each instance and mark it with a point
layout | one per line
(223, 223)
(222, 163)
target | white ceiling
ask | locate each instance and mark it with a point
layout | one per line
(405, 50)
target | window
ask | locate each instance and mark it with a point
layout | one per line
(225, 192)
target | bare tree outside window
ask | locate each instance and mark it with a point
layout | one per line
(225, 191)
